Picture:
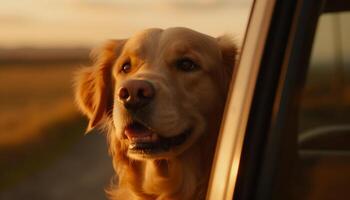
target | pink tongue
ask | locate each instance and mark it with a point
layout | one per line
(137, 131)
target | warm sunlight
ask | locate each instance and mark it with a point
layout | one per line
(97, 103)
(44, 153)
(88, 22)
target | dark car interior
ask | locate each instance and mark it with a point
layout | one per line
(324, 112)
(297, 144)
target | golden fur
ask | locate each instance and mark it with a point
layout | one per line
(183, 99)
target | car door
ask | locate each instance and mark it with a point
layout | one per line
(262, 152)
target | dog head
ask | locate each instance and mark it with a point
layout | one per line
(159, 91)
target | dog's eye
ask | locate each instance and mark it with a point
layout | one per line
(126, 67)
(186, 64)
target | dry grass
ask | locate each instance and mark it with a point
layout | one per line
(38, 118)
(27, 128)
(31, 98)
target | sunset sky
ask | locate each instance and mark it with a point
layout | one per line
(86, 23)
(69, 23)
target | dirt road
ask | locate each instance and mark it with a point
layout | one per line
(81, 173)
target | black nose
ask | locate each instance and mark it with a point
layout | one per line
(135, 94)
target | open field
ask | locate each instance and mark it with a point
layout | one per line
(38, 118)
(32, 97)
(43, 151)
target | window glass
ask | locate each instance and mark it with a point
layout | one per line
(324, 117)
(326, 97)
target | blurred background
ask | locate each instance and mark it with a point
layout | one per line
(324, 113)
(43, 151)
(326, 96)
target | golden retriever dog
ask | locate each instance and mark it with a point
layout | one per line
(159, 96)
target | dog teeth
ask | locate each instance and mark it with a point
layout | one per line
(148, 138)
(142, 139)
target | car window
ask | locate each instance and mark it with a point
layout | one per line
(326, 94)
(324, 115)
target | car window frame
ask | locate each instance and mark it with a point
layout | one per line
(251, 160)
(229, 146)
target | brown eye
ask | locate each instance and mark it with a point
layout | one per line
(126, 67)
(186, 65)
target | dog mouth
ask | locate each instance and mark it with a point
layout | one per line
(144, 140)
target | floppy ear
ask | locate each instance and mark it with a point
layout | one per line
(229, 51)
(94, 84)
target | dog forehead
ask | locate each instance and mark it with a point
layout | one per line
(186, 34)
(143, 41)
(182, 40)
(179, 39)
